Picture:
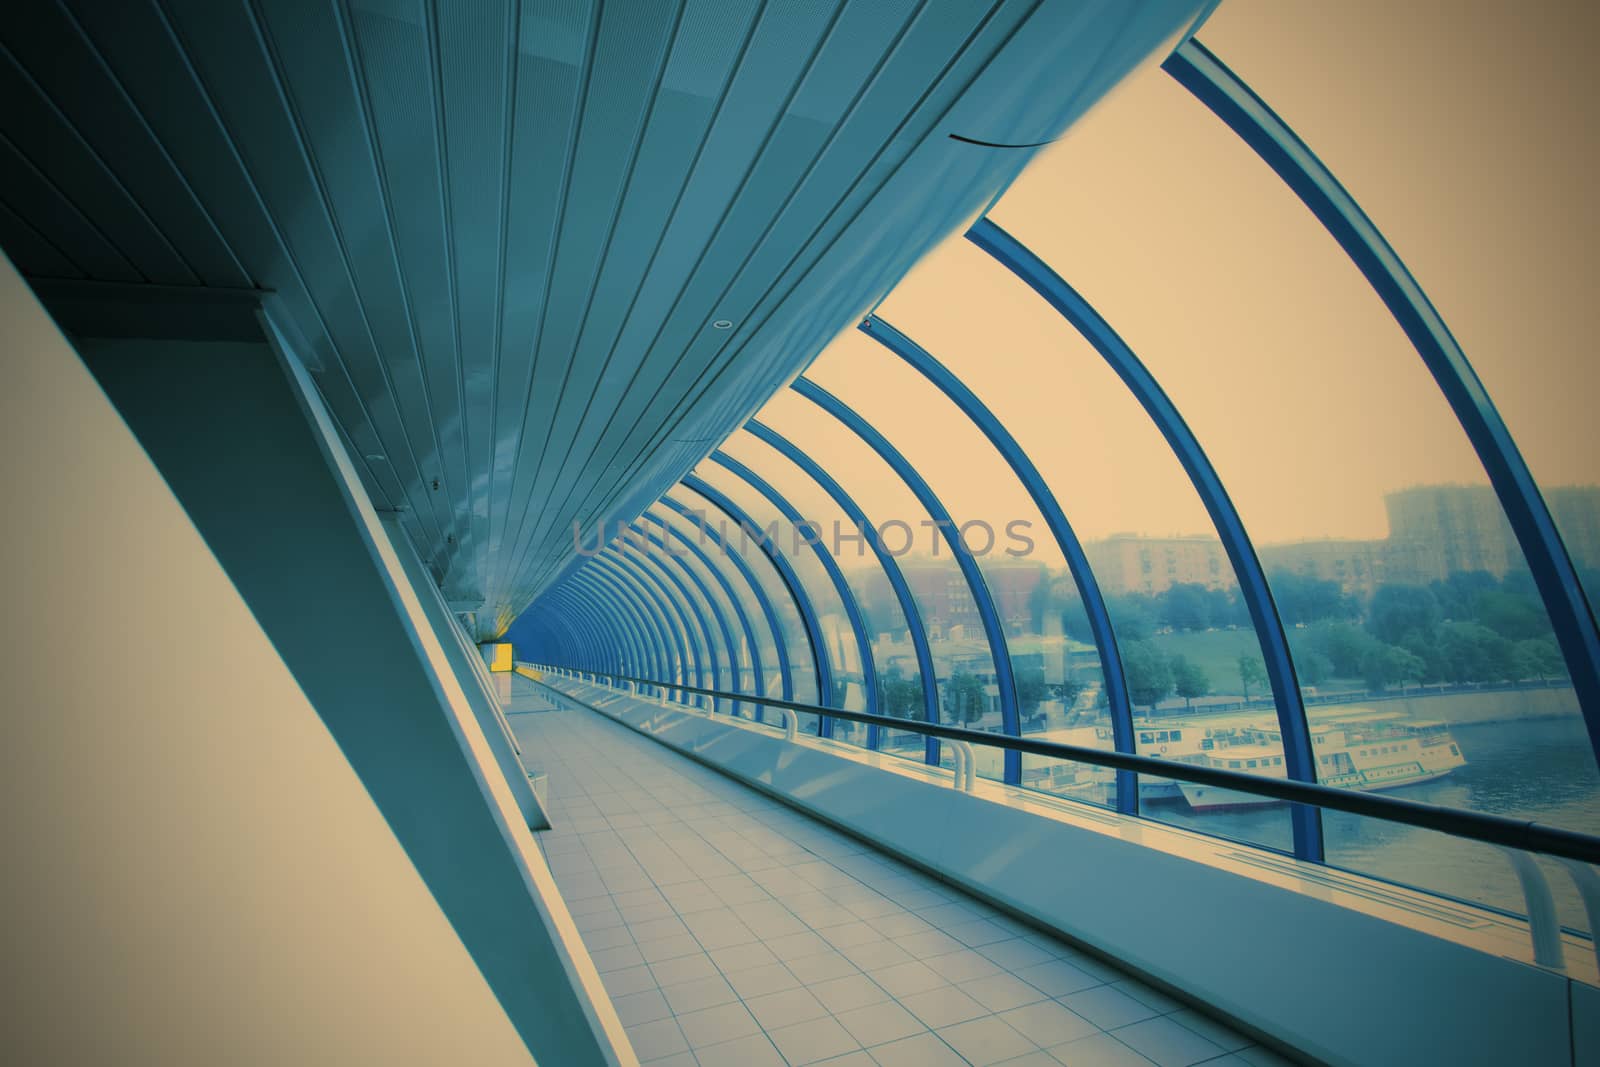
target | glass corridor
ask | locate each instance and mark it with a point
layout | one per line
(1194, 471)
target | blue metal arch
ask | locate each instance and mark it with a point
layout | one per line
(670, 622)
(623, 618)
(847, 597)
(646, 562)
(618, 633)
(735, 661)
(546, 645)
(1197, 69)
(928, 674)
(668, 645)
(1299, 761)
(696, 635)
(1094, 604)
(797, 593)
(758, 671)
(585, 653)
(779, 641)
(1010, 720)
(580, 617)
(587, 596)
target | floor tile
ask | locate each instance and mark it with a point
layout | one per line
(753, 925)
(922, 1050)
(776, 1010)
(840, 995)
(1097, 1050)
(808, 1042)
(697, 994)
(985, 1041)
(644, 1007)
(878, 1024)
(1167, 1043)
(821, 967)
(656, 1039)
(1058, 978)
(754, 1050)
(903, 979)
(628, 980)
(712, 1026)
(1108, 1008)
(1048, 1023)
(1001, 992)
(944, 1006)
(683, 969)
(964, 965)
(759, 981)
(1211, 1030)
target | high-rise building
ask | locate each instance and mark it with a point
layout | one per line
(1129, 563)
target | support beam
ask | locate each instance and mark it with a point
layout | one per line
(246, 446)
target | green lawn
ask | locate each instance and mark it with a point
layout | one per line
(1215, 651)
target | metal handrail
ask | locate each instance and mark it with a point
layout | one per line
(1524, 834)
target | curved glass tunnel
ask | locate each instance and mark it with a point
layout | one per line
(1101, 471)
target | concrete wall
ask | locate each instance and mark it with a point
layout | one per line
(193, 874)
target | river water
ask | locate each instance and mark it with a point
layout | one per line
(1541, 769)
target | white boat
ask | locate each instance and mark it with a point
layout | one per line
(1367, 752)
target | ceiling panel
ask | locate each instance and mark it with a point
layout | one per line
(506, 237)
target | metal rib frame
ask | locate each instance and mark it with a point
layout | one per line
(1094, 604)
(779, 641)
(797, 593)
(847, 596)
(671, 616)
(666, 636)
(891, 569)
(647, 561)
(1010, 721)
(1197, 69)
(1299, 761)
(642, 525)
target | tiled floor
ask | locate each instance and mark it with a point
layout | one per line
(732, 930)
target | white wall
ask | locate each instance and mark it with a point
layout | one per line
(192, 874)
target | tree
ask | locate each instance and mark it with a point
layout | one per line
(1031, 689)
(1189, 679)
(1148, 674)
(1386, 664)
(1185, 606)
(1398, 610)
(1251, 672)
(1511, 615)
(1470, 652)
(899, 696)
(1345, 645)
(1313, 667)
(963, 696)
(1067, 691)
(1304, 599)
(1135, 615)
(1540, 658)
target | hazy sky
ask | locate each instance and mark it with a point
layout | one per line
(1467, 132)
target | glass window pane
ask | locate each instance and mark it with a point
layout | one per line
(737, 675)
(839, 647)
(963, 666)
(765, 649)
(888, 636)
(1483, 185)
(802, 672)
(1059, 687)
(1423, 651)
(1169, 586)
(692, 612)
